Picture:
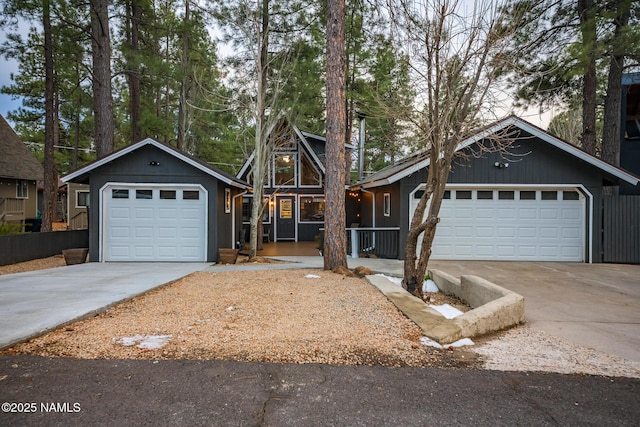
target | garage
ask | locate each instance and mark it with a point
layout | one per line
(510, 223)
(143, 222)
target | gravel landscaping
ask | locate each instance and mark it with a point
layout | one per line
(289, 316)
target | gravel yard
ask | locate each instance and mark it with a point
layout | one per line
(282, 316)
(267, 316)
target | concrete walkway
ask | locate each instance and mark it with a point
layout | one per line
(38, 301)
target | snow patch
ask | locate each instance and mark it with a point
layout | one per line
(148, 342)
(312, 276)
(460, 343)
(447, 311)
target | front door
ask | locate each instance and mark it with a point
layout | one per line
(286, 218)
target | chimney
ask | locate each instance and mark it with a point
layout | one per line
(361, 117)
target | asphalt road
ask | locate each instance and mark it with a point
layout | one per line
(222, 393)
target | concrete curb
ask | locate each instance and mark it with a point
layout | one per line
(493, 307)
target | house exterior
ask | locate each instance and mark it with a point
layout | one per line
(294, 188)
(541, 200)
(630, 137)
(152, 202)
(19, 173)
(76, 206)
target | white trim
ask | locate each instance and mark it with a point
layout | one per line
(101, 217)
(587, 252)
(166, 149)
(306, 145)
(386, 204)
(77, 206)
(300, 196)
(276, 213)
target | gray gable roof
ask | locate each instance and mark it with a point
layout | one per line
(79, 174)
(16, 161)
(420, 160)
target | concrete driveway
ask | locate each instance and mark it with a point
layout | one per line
(37, 301)
(595, 305)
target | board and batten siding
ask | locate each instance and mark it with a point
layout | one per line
(622, 229)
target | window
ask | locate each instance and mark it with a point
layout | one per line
(418, 194)
(527, 195)
(485, 195)
(22, 189)
(190, 195)
(118, 193)
(285, 170)
(446, 195)
(505, 195)
(144, 194)
(168, 194)
(386, 204)
(82, 199)
(463, 195)
(247, 203)
(227, 200)
(549, 195)
(312, 208)
(309, 175)
(570, 195)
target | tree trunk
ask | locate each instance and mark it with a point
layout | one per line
(133, 70)
(50, 176)
(335, 241)
(589, 83)
(611, 133)
(184, 85)
(261, 156)
(102, 97)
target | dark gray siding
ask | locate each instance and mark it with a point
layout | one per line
(531, 161)
(134, 168)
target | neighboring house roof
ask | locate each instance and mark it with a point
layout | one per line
(80, 173)
(16, 161)
(420, 160)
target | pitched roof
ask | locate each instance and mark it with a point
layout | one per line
(16, 161)
(420, 160)
(80, 173)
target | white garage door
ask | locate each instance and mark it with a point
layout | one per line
(151, 223)
(506, 224)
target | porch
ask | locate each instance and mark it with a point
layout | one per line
(12, 210)
(361, 242)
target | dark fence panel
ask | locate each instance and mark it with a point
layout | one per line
(621, 233)
(25, 247)
(381, 242)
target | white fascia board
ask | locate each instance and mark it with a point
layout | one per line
(312, 153)
(246, 165)
(610, 169)
(399, 175)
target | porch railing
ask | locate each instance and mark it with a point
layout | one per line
(80, 221)
(11, 210)
(381, 242)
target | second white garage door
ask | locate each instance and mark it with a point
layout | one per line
(152, 223)
(506, 224)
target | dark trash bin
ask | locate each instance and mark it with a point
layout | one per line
(33, 224)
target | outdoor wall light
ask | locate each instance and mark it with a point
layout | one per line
(501, 165)
(154, 163)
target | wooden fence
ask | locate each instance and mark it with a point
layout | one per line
(28, 246)
(621, 229)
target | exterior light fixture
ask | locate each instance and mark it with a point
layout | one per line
(154, 163)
